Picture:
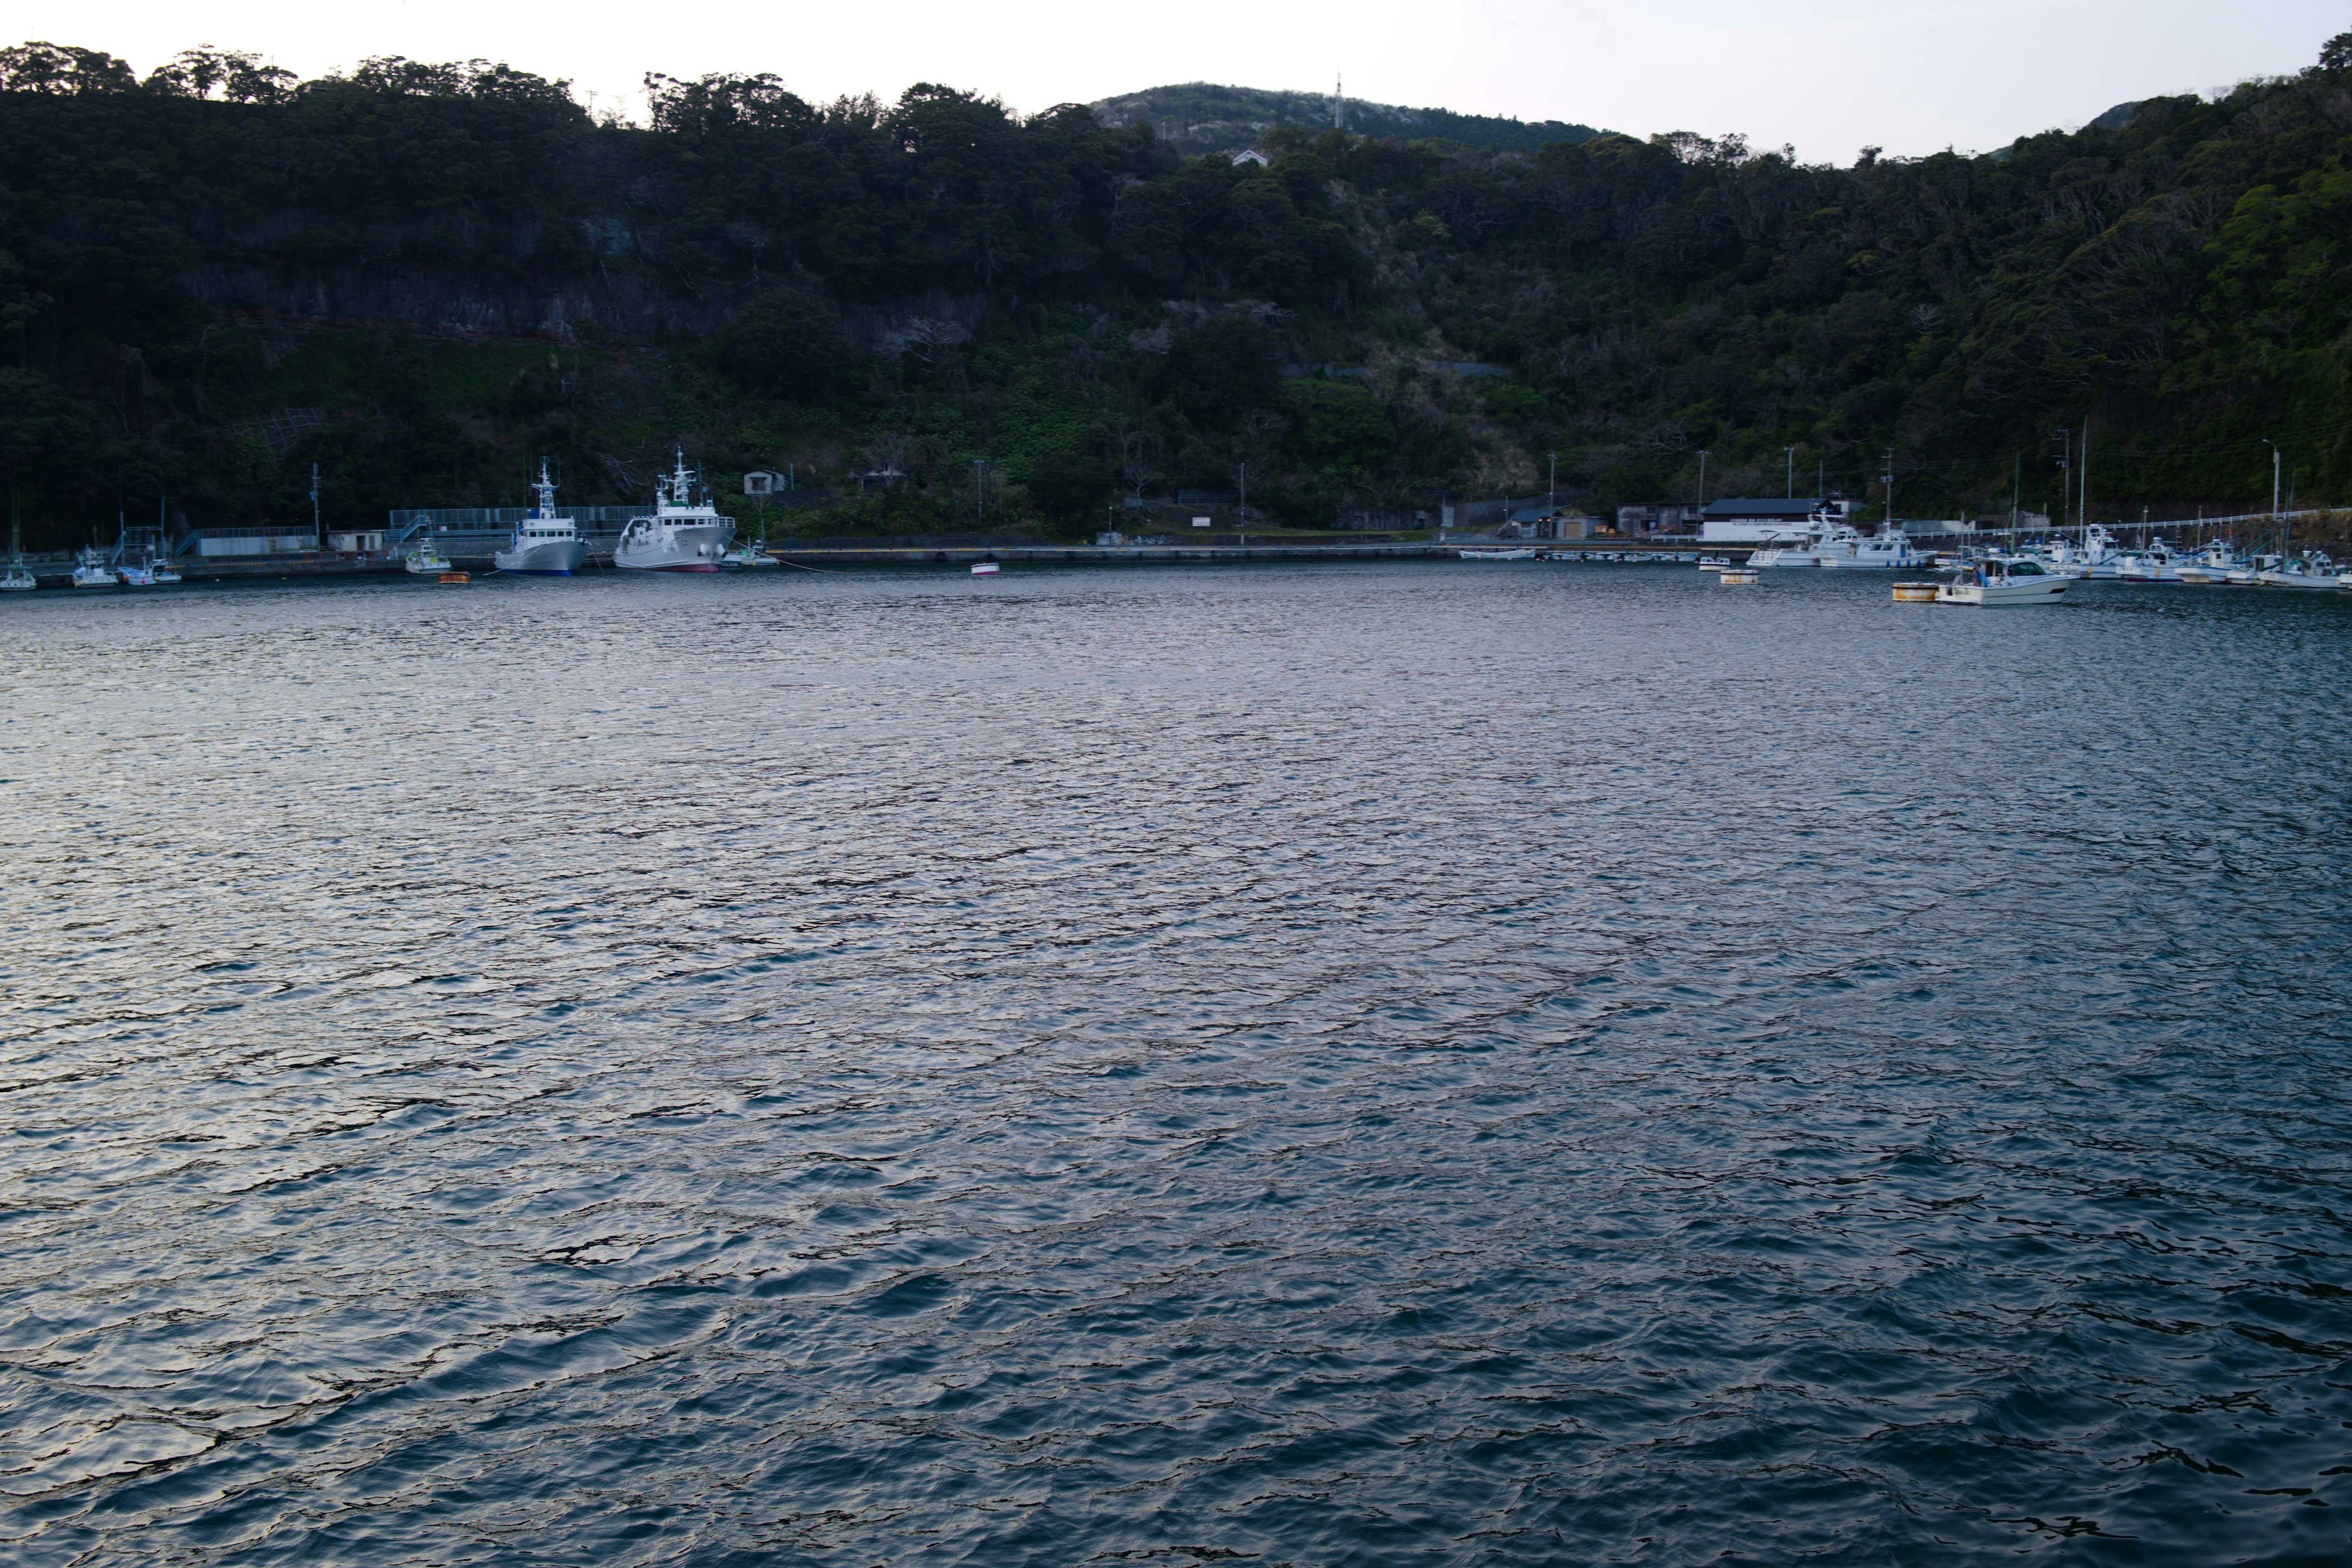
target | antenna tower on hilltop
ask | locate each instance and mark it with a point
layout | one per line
(1338, 103)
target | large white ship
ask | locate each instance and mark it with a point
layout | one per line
(545, 545)
(682, 535)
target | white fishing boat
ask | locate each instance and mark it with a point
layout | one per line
(545, 545)
(1497, 554)
(681, 534)
(2248, 574)
(2097, 555)
(1846, 548)
(2311, 570)
(983, 568)
(1713, 562)
(19, 579)
(90, 570)
(2003, 580)
(2158, 562)
(2209, 566)
(426, 561)
(754, 554)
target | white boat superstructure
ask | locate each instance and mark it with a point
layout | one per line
(2209, 566)
(2311, 569)
(426, 560)
(545, 545)
(19, 580)
(2003, 580)
(681, 534)
(1844, 547)
(2099, 554)
(90, 570)
(2158, 562)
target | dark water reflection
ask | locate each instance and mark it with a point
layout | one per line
(1350, 1066)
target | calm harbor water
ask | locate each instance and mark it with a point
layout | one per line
(1382, 1064)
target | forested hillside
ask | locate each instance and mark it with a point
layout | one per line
(422, 278)
(1200, 117)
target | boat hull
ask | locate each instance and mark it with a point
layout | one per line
(553, 558)
(694, 547)
(1996, 595)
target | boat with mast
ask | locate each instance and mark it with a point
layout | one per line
(19, 579)
(681, 534)
(545, 545)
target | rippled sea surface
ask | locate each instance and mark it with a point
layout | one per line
(1383, 1063)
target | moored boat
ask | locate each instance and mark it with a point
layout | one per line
(680, 534)
(1843, 547)
(90, 570)
(2003, 580)
(426, 561)
(2311, 570)
(545, 545)
(1497, 554)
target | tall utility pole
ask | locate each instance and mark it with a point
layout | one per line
(1551, 495)
(1702, 475)
(2016, 486)
(1792, 473)
(1243, 506)
(1889, 477)
(318, 540)
(980, 489)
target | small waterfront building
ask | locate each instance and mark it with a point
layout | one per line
(762, 482)
(1656, 518)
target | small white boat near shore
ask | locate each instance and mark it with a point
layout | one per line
(1497, 554)
(91, 572)
(426, 561)
(983, 568)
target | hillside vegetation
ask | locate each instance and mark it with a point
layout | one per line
(422, 278)
(1200, 117)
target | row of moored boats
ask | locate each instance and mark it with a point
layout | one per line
(684, 533)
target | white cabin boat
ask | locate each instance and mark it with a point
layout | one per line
(2160, 563)
(2209, 566)
(1499, 554)
(680, 534)
(2311, 570)
(18, 580)
(545, 545)
(90, 570)
(1846, 548)
(2003, 580)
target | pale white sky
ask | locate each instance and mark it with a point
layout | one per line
(1828, 75)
